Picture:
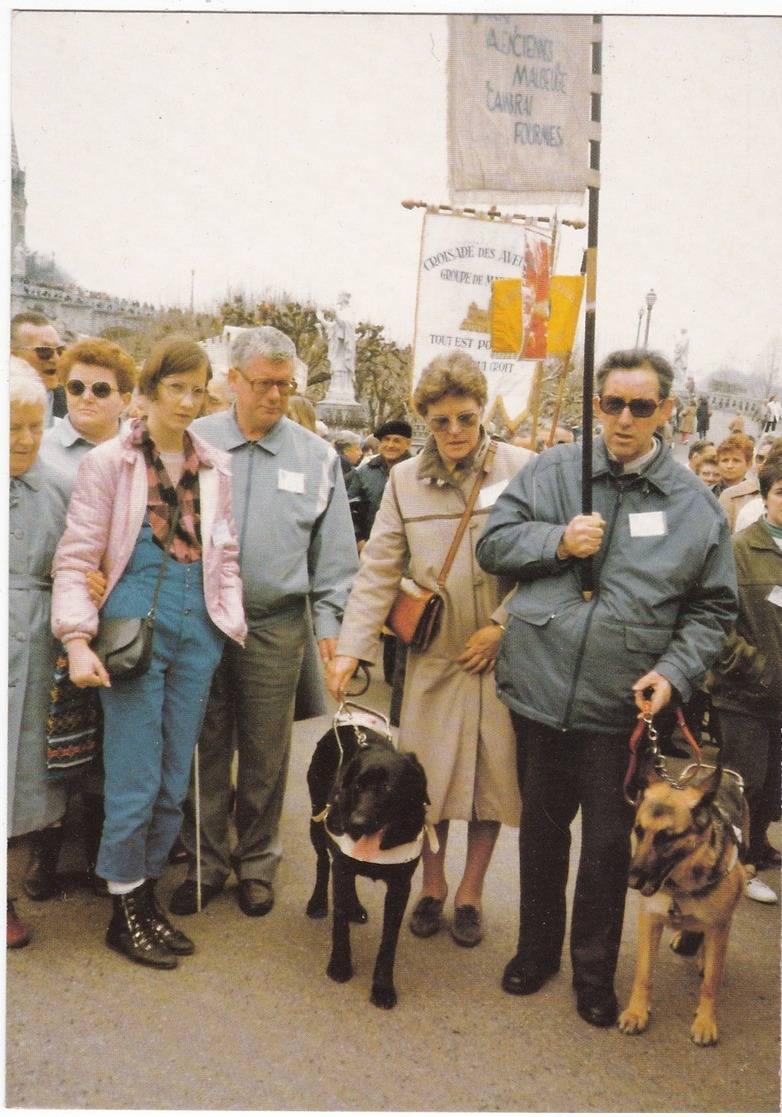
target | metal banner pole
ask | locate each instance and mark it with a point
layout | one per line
(587, 572)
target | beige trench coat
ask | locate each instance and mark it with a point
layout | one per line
(453, 721)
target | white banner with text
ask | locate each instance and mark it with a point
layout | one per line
(460, 259)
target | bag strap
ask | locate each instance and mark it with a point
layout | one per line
(164, 563)
(482, 474)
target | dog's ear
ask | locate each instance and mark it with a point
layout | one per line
(709, 787)
(419, 770)
(339, 800)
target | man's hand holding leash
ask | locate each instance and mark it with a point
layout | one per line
(652, 693)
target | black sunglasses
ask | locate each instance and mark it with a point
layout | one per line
(101, 390)
(639, 408)
(45, 352)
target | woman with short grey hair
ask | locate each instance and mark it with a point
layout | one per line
(38, 503)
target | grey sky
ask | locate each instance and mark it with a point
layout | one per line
(273, 151)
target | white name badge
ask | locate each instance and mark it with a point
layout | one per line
(488, 496)
(775, 597)
(647, 523)
(290, 482)
(221, 533)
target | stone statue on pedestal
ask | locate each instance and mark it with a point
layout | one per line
(681, 353)
(341, 332)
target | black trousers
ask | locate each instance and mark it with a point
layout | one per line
(558, 773)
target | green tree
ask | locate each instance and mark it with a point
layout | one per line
(140, 342)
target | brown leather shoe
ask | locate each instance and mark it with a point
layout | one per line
(466, 927)
(427, 917)
(17, 934)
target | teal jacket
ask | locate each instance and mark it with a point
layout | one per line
(664, 588)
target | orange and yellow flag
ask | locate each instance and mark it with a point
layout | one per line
(566, 294)
(507, 314)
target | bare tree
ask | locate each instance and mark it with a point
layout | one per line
(768, 367)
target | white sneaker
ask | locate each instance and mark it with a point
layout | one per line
(758, 890)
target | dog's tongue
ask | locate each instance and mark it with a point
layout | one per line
(367, 848)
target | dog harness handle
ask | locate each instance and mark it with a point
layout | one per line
(645, 726)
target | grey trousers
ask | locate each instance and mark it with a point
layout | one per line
(251, 707)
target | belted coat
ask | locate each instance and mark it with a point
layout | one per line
(453, 721)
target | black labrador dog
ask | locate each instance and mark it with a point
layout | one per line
(368, 811)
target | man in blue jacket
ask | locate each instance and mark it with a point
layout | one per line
(574, 673)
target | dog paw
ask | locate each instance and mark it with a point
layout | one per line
(383, 996)
(704, 1030)
(357, 913)
(338, 971)
(316, 909)
(633, 1021)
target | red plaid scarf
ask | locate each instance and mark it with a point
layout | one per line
(163, 497)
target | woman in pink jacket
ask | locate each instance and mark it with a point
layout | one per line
(119, 522)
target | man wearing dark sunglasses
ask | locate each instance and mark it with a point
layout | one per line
(35, 340)
(575, 672)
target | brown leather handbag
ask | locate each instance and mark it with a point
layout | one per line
(416, 613)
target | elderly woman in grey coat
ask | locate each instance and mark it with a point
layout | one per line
(37, 508)
(451, 717)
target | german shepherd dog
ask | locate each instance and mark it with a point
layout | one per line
(368, 812)
(685, 864)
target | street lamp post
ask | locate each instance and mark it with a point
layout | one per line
(651, 299)
(638, 331)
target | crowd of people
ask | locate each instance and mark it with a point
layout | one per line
(269, 557)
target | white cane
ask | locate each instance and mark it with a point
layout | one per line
(197, 827)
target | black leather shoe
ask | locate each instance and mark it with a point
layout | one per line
(522, 977)
(256, 897)
(598, 1007)
(163, 930)
(129, 932)
(40, 879)
(184, 900)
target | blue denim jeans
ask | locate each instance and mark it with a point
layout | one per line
(151, 724)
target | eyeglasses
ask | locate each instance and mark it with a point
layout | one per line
(179, 391)
(261, 387)
(45, 352)
(441, 423)
(101, 390)
(639, 408)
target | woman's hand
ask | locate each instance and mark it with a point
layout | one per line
(84, 667)
(96, 585)
(480, 651)
(339, 671)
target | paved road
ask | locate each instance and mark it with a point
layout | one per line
(252, 1022)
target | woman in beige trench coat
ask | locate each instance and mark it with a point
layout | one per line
(451, 717)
